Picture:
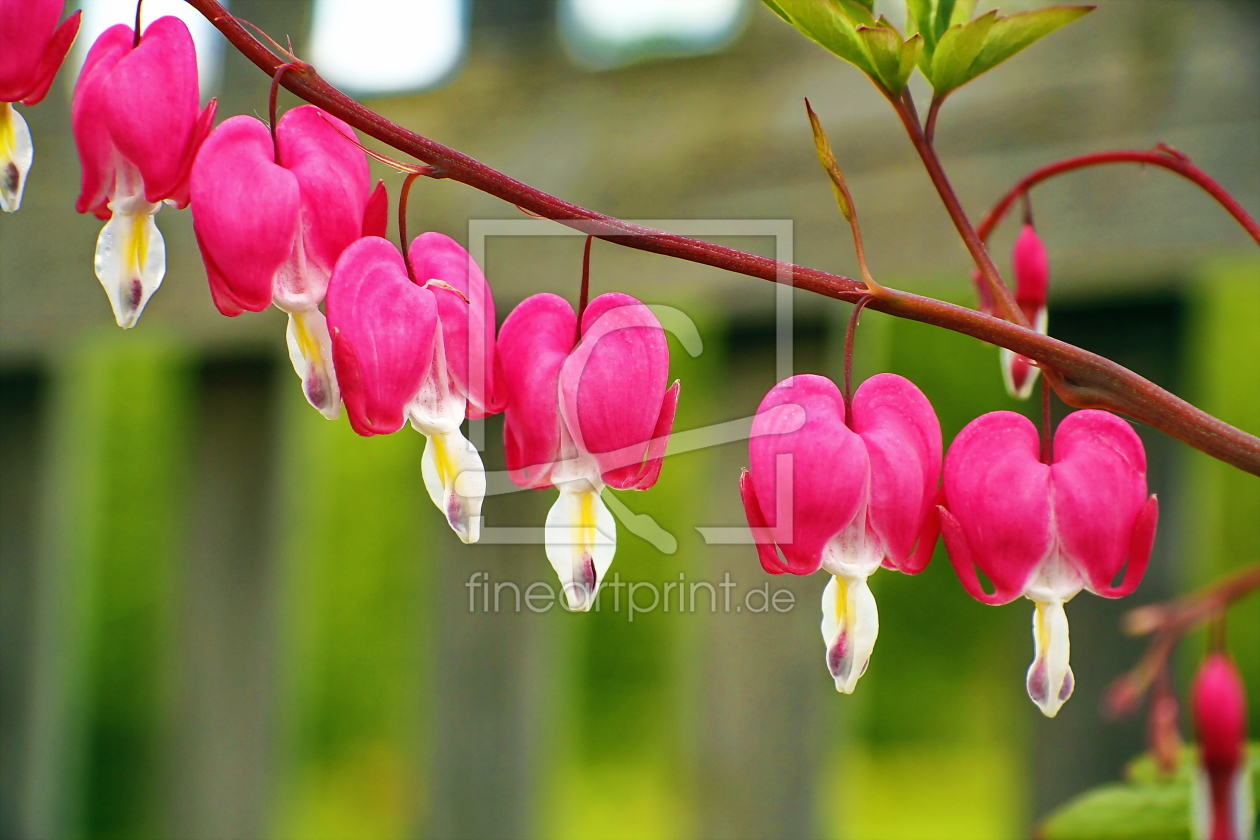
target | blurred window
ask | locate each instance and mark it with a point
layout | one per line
(99, 15)
(386, 47)
(607, 33)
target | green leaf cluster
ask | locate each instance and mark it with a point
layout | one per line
(947, 45)
(850, 29)
(1146, 806)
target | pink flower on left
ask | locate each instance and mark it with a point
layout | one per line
(32, 47)
(273, 218)
(138, 128)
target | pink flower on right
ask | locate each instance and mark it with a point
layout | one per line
(1047, 531)
(1224, 805)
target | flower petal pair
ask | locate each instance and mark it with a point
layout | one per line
(271, 219)
(1046, 531)
(32, 47)
(847, 497)
(1032, 281)
(585, 410)
(389, 337)
(137, 126)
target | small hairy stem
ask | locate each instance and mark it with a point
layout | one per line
(271, 107)
(1082, 379)
(135, 37)
(1161, 156)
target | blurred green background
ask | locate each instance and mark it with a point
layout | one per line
(225, 617)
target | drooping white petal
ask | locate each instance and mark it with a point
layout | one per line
(16, 154)
(1050, 681)
(581, 537)
(130, 258)
(310, 351)
(456, 481)
(850, 626)
(452, 468)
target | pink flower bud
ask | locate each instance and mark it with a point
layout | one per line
(1224, 804)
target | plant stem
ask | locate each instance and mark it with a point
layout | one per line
(1082, 379)
(1002, 296)
(1161, 156)
(403, 195)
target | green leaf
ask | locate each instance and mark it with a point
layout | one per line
(962, 11)
(941, 20)
(1123, 812)
(919, 19)
(910, 52)
(833, 25)
(869, 4)
(1012, 34)
(884, 47)
(1148, 806)
(956, 52)
(778, 10)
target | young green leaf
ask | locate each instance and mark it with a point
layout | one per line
(962, 11)
(957, 50)
(941, 20)
(1012, 34)
(911, 50)
(833, 25)
(884, 46)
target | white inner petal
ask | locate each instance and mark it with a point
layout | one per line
(130, 257)
(310, 351)
(850, 626)
(16, 154)
(581, 537)
(456, 481)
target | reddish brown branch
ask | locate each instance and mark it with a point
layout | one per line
(1082, 379)
(1161, 156)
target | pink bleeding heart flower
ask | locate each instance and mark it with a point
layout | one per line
(32, 47)
(137, 126)
(847, 497)
(1047, 531)
(1224, 803)
(1032, 282)
(272, 219)
(390, 339)
(583, 417)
